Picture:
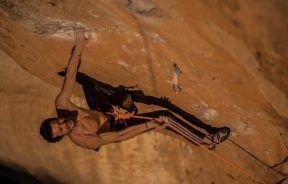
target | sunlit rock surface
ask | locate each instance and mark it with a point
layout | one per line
(233, 57)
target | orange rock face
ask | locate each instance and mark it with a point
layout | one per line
(233, 58)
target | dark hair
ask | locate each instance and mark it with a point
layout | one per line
(46, 131)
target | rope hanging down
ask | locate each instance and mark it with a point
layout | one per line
(176, 127)
(253, 156)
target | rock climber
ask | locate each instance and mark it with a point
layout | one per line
(98, 126)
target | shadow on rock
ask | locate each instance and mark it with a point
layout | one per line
(15, 174)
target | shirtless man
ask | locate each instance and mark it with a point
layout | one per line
(90, 128)
(86, 128)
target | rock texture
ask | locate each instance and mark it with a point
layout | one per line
(233, 57)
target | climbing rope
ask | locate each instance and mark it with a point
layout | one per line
(270, 167)
(173, 125)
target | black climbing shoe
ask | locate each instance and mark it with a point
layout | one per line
(221, 135)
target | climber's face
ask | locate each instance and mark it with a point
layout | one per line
(61, 127)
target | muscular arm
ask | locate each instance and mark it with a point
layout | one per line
(63, 99)
(132, 131)
(95, 141)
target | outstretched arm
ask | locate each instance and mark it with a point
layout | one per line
(95, 141)
(63, 99)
